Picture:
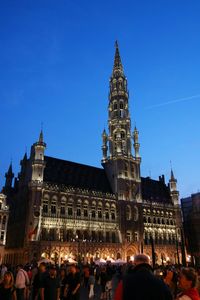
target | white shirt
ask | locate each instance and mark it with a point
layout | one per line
(21, 279)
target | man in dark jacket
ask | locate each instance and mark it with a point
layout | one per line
(141, 284)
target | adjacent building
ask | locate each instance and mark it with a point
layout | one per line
(191, 222)
(4, 214)
(61, 208)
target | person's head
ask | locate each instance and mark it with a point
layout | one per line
(103, 269)
(8, 278)
(62, 272)
(72, 269)
(141, 259)
(187, 279)
(52, 271)
(20, 266)
(42, 267)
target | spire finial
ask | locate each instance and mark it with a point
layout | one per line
(172, 173)
(10, 167)
(41, 136)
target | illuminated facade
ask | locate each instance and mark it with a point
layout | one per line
(61, 209)
(4, 214)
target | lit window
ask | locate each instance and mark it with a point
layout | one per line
(136, 236)
(128, 236)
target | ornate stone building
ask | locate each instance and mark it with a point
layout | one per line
(4, 214)
(60, 208)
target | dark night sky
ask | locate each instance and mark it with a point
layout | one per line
(56, 58)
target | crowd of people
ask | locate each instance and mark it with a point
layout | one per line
(132, 281)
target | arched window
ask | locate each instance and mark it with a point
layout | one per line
(149, 220)
(45, 204)
(115, 105)
(78, 208)
(107, 211)
(128, 212)
(100, 210)
(70, 207)
(122, 135)
(154, 220)
(128, 236)
(93, 210)
(121, 105)
(85, 209)
(62, 205)
(53, 205)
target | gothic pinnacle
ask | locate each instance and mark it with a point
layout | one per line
(41, 137)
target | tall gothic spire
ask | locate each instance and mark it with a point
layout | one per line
(117, 68)
(119, 136)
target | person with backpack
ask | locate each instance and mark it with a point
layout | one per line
(21, 283)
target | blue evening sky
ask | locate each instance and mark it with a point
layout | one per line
(56, 58)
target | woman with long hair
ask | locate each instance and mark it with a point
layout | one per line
(7, 289)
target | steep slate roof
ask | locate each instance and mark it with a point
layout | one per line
(87, 177)
(155, 190)
(76, 175)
